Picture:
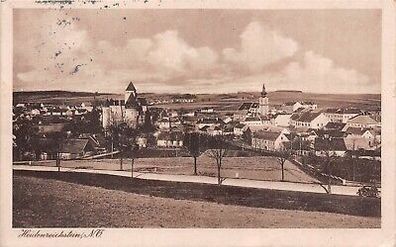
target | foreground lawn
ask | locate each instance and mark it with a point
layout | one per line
(258, 167)
(43, 202)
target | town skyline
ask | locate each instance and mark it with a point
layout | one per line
(67, 50)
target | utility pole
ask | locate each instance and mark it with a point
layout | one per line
(112, 146)
(58, 161)
(132, 161)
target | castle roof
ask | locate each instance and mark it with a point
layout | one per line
(131, 87)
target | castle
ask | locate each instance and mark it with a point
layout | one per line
(132, 110)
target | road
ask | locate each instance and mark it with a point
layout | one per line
(275, 185)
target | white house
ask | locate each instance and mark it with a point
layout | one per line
(359, 138)
(209, 122)
(341, 115)
(268, 140)
(331, 146)
(170, 139)
(362, 121)
(164, 123)
(239, 129)
(313, 120)
(283, 120)
(293, 106)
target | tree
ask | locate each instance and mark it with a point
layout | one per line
(218, 149)
(25, 135)
(121, 137)
(93, 122)
(329, 156)
(193, 142)
(281, 156)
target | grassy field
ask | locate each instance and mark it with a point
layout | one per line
(257, 167)
(44, 202)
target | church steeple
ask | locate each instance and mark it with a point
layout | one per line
(263, 92)
(263, 102)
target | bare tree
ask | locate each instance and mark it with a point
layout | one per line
(122, 138)
(217, 150)
(282, 156)
(329, 156)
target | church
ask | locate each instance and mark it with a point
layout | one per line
(256, 109)
(132, 110)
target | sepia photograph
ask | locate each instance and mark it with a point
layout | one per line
(195, 118)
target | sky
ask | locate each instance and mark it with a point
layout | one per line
(197, 50)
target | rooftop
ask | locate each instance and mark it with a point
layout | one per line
(131, 87)
(305, 116)
(266, 135)
(330, 144)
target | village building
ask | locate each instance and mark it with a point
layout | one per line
(362, 121)
(76, 148)
(341, 115)
(334, 126)
(141, 141)
(330, 146)
(227, 130)
(269, 140)
(209, 122)
(214, 130)
(360, 138)
(168, 139)
(290, 107)
(282, 120)
(184, 98)
(163, 123)
(239, 129)
(309, 119)
(207, 110)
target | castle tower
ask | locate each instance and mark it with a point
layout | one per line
(130, 91)
(131, 106)
(263, 102)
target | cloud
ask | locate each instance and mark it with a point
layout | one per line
(316, 73)
(260, 47)
(167, 62)
(172, 54)
(162, 58)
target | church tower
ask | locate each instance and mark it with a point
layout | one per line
(263, 103)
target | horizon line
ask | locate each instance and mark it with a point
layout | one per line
(144, 92)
